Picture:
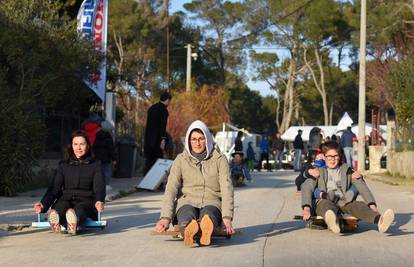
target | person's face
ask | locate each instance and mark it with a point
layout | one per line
(79, 146)
(237, 158)
(198, 142)
(278, 135)
(167, 102)
(332, 158)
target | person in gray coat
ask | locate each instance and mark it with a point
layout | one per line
(334, 194)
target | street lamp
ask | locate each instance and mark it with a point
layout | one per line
(189, 56)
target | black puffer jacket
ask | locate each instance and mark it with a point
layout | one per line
(79, 179)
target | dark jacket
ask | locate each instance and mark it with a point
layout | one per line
(250, 153)
(155, 131)
(300, 179)
(278, 144)
(238, 145)
(346, 139)
(298, 144)
(78, 179)
(48, 199)
(315, 138)
(103, 148)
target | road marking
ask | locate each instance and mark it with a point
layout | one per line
(15, 211)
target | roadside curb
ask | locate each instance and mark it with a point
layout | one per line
(389, 180)
(13, 227)
(123, 193)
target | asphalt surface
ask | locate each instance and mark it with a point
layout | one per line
(268, 234)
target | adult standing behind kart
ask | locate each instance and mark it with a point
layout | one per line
(78, 190)
(199, 188)
(346, 144)
(104, 150)
(238, 143)
(155, 131)
(298, 146)
(315, 139)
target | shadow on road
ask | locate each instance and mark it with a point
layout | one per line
(395, 229)
(401, 219)
(253, 233)
(268, 180)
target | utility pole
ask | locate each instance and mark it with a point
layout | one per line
(362, 83)
(188, 81)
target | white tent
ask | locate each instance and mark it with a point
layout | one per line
(291, 133)
(343, 123)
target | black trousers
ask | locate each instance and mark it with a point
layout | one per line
(150, 158)
(84, 208)
(264, 156)
(356, 208)
(187, 213)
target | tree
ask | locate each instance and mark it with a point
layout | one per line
(324, 28)
(281, 20)
(206, 104)
(221, 20)
(43, 63)
(248, 110)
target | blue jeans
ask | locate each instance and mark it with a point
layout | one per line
(278, 159)
(106, 169)
(348, 156)
(298, 161)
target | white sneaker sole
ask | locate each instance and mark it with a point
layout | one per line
(71, 218)
(387, 219)
(53, 219)
(332, 222)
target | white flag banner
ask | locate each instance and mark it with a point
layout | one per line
(93, 25)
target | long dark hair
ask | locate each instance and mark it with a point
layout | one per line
(70, 154)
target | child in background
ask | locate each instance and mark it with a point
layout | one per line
(238, 169)
(250, 157)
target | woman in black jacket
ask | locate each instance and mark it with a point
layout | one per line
(78, 187)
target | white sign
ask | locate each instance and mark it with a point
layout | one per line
(156, 175)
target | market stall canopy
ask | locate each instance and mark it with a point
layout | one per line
(343, 123)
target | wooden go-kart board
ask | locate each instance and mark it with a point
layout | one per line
(346, 223)
(175, 233)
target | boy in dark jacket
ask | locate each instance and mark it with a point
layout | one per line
(250, 157)
(336, 181)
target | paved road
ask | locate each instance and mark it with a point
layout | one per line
(263, 214)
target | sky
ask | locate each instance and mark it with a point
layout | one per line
(262, 87)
